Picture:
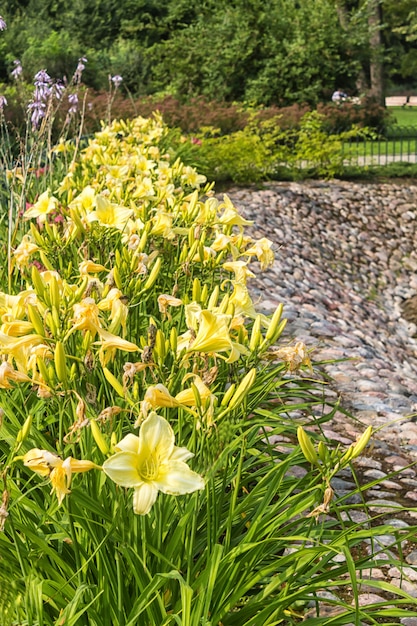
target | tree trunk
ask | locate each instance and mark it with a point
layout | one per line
(376, 61)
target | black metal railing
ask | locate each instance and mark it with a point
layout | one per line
(397, 144)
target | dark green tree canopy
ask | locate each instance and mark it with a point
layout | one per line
(259, 51)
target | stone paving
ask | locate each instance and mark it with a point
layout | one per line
(346, 264)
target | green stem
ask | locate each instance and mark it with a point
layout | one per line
(74, 543)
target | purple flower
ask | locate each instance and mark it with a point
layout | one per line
(79, 70)
(116, 80)
(58, 90)
(73, 101)
(42, 84)
(37, 109)
(3, 24)
(17, 69)
(3, 102)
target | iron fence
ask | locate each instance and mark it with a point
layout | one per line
(397, 144)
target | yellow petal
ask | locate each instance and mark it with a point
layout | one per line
(144, 498)
(122, 469)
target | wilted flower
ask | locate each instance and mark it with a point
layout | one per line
(60, 472)
(8, 375)
(3, 24)
(294, 356)
(151, 463)
(165, 300)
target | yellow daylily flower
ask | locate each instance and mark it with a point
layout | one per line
(86, 316)
(109, 343)
(230, 216)
(86, 200)
(44, 205)
(109, 214)
(240, 269)
(60, 472)
(150, 463)
(242, 301)
(162, 225)
(213, 334)
(191, 177)
(198, 395)
(159, 396)
(90, 267)
(16, 328)
(221, 242)
(118, 309)
(24, 251)
(262, 250)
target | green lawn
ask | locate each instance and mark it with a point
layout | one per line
(406, 116)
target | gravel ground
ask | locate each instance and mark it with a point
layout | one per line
(346, 272)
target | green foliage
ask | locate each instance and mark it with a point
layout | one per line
(263, 149)
(276, 52)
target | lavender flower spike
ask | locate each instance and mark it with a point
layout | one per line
(73, 101)
(3, 103)
(17, 69)
(79, 70)
(3, 24)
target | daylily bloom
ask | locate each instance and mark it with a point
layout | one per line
(230, 216)
(192, 178)
(86, 200)
(241, 270)
(262, 250)
(90, 267)
(109, 214)
(150, 463)
(114, 302)
(198, 395)
(213, 334)
(24, 250)
(86, 315)
(155, 396)
(44, 205)
(110, 343)
(60, 472)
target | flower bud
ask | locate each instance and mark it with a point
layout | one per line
(229, 393)
(24, 431)
(98, 437)
(111, 378)
(256, 335)
(306, 446)
(243, 389)
(196, 290)
(153, 275)
(60, 363)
